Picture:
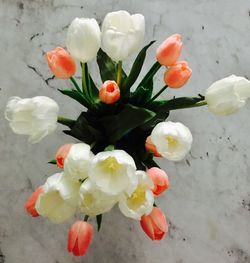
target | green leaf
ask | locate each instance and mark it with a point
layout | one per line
(52, 162)
(116, 126)
(108, 68)
(99, 221)
(83, 131)
(92, 89)
(136, 68)
(74, 94)
(142, 94)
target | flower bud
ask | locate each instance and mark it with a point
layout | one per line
(150, 147)
(169, 51)
(61, 154)
(31, 202)
(155, 224)
(160, 180)
(177, 75)
(109, 92)
(79, 238)
(61, 63)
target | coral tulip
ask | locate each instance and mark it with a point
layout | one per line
(61, 154)
(169, 51)
(160, 180)
(109, 92)
(155, 224)
(177, 75)
(31, 202)
(79, 238)
(150, 147)
(61, 63)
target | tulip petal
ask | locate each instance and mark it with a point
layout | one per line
(72, 236)
(147, 226)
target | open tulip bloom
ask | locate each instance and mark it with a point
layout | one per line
(121, 129)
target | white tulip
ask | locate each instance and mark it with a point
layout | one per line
(35, 117)
(122, 34)
(93, 201)
(83, 39)
(59, 200)
(113, 172)
(228, 95)
(76, 164)
(142, 199)
(173, 140)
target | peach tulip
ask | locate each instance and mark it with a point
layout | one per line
(177, 75)
(61, 63)
(79, 238)
(160, 180)
(169, 51)
(155, 224)
(109, 92)
(150, 147)
(31, 202)
(61, 154)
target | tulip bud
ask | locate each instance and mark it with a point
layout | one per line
(79, 238)
(160, 180)
(155, 224)
(177, 75)
(150, 147)
(83, 39)
(61, 63)
(169, 51)
(109, 92)
(31, 202)
(61, 154)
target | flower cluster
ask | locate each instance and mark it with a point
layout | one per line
(121, 132)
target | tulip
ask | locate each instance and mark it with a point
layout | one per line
(160, 180)
(35, 117)
(177, 75)
(150, 147)
(79, 238)
(169, 51)
(61, 63)
(83, 39)
(141, 201)
(155, 224)
(61, 154)
(122, 34)
(77, 162)
(109, 92)
(173, 140)
(113, 172)
(228, 95)
(31, 202)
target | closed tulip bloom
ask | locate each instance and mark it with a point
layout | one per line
(169, 51)
(83, 39)
(177, 75)
(61, 63)
(35, 117)
(173, 140)
(79, 238)
(150, 147)
(155, 224)
(31, 202)
(61, 154)
(109, 92)
(228, 95)
(160, 180)
(122, 34)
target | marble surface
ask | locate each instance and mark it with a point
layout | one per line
(208, 205)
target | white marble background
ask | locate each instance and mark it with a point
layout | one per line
(208, 204)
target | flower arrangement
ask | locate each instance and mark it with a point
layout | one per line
(121, 131)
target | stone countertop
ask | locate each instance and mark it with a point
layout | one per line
(208, 205)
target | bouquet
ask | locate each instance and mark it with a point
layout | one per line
(122, 128)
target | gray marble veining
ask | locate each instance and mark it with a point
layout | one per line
(208, 205)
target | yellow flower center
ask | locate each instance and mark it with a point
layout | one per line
(137, 198)
(110, 165)
(88, 199)
(172, 142)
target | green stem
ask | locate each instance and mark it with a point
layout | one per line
(86, 218)
(119, 73)
(150, 74)
(158, 94)
(75, 84)
(84, 83)
(65, 121)
(198, 104)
